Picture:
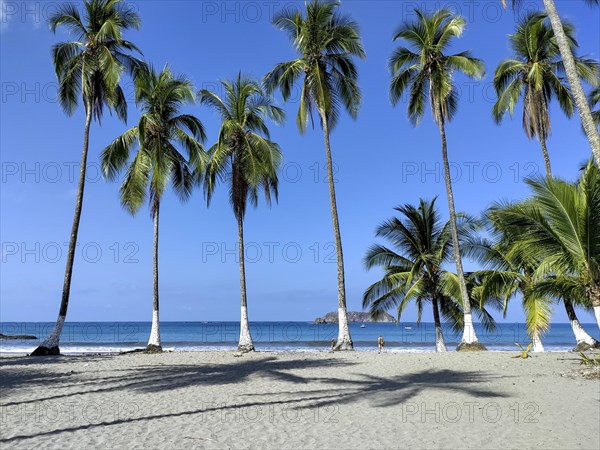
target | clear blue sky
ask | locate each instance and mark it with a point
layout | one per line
(381, 160)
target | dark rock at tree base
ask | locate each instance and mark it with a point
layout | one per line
(474, 347)
(45, 351)
(18, 336)
(354, 316)
(245, 348)
(153, 349)
(343, 346)
(584, 347)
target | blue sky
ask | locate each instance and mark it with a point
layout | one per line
(381, 161)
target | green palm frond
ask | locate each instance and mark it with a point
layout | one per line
(244, 155)
(594, 99)
(557, 230)
(158, 161)
(424, 70)
(91, 67)
(327, 42)
(413, 265)
(535, 73)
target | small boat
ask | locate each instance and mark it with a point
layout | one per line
(408, 328)
(363, 326)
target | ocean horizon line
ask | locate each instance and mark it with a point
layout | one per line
(264, 321)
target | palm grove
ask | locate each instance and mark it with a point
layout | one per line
(545, 249)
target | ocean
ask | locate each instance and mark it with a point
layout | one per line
(109, 337)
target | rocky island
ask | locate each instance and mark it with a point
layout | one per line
(15, 337)
(354, 316)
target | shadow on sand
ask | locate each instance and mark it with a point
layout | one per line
(310, 392)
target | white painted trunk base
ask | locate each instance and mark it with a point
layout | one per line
(440, 345)
(469, 336)
(597, 314)
(245, 336)
(155, 331)
(580, 334)
(537, 343)
(54, 338)
(343, 329)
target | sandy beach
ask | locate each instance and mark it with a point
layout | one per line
(298, 400)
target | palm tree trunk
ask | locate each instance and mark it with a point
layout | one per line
(440, 345)
(245, 344)
(536, 339)
(50, 346)
(154, 345)
(584, 340)
(469, 339)
(546, 157)
(578, 95)
(344, 341)
(595, 296)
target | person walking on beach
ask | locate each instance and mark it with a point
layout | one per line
(380, 343)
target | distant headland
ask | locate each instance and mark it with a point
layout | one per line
(20, 336)
(354, 316)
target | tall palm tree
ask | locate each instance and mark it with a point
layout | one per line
(505, 275)
(89, 67)
(246, 158)
(325, 41)
(414, 268)
(535, 73)
(564, 46)
(560, 225)
(157, 161)
(426, 72)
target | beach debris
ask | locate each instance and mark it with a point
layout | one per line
(587, 373)
(135, 350)
(524, 351)
(591, 361)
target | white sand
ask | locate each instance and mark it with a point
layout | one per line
(298, 400)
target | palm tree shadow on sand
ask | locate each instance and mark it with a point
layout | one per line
(313, 392)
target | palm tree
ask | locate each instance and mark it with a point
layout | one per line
(427, 72)
(505, 275)
(560, 226)
(564, 46)
(157, 162)
(90, 67)
(414, 269)
(534, 73)
(246, 158)
(326, 41)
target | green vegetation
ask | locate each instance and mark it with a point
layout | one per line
(157, 162)
(326, 43)
(524, 351)
(246, 158)
(545, 249)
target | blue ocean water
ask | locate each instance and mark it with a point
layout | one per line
(107, 337)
